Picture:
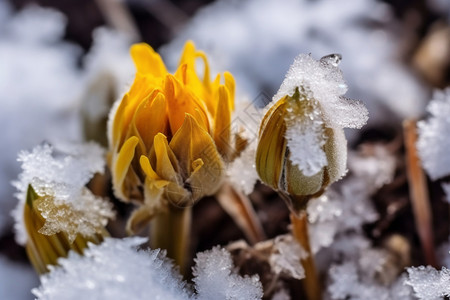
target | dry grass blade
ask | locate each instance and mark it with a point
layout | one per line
(238, 206)
(419, 193)
(118, 16)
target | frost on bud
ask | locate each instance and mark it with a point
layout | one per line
(45, 249)
(302, 148)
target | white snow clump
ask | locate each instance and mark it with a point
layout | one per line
(429, 283)
(433, 142)
(115, 270)
(62, 173)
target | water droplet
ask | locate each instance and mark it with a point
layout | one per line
(331, 59)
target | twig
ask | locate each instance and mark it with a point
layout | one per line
(419, 193)
(238, 206)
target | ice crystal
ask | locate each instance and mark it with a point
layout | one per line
(350, 280)
(347, 206)
(214, 278)
(287, 257)
(429, 283)
(59, 176)
(433, 142)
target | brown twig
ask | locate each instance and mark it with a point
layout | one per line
(419, 193)
(238, 206)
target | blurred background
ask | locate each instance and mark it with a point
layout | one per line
(63, 63)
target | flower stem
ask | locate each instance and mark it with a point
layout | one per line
(171, 231)
(419, 193)
(311, 284)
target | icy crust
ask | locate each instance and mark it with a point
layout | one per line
(429, 283)
(433, 142)
(59, 176)
(322, 86)
(115, 270)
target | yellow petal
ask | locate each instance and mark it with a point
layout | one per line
(147, 61)
(180, 101)
(121, 165)
(166, 161)
(231, 87)
(222, 129)
(270, 153)
(190, 143)
(151, 118)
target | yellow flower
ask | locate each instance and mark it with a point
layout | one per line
(170, 135)
(44, 248)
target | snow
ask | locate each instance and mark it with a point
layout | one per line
(116, 270)
(214, 278)
(350, 280)
(429, 283)
(287, 257)
(259, 42)
(113, 270)
(61, 173)
(39, 86)
(16, 280)
(433, 141)
(347, 206)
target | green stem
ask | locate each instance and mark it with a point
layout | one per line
(171, 231)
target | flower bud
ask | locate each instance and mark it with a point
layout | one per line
(302, 148)
(44, 249)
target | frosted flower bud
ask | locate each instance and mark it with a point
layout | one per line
(170, 134)
(302, 148)
(45, 249)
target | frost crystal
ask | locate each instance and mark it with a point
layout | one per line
(113, 270)
(347, 206)
(288, 256)
(59, 176)
(429, 283)
(350, 280)
(214, 278)
(433, 142)
(321, 88)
